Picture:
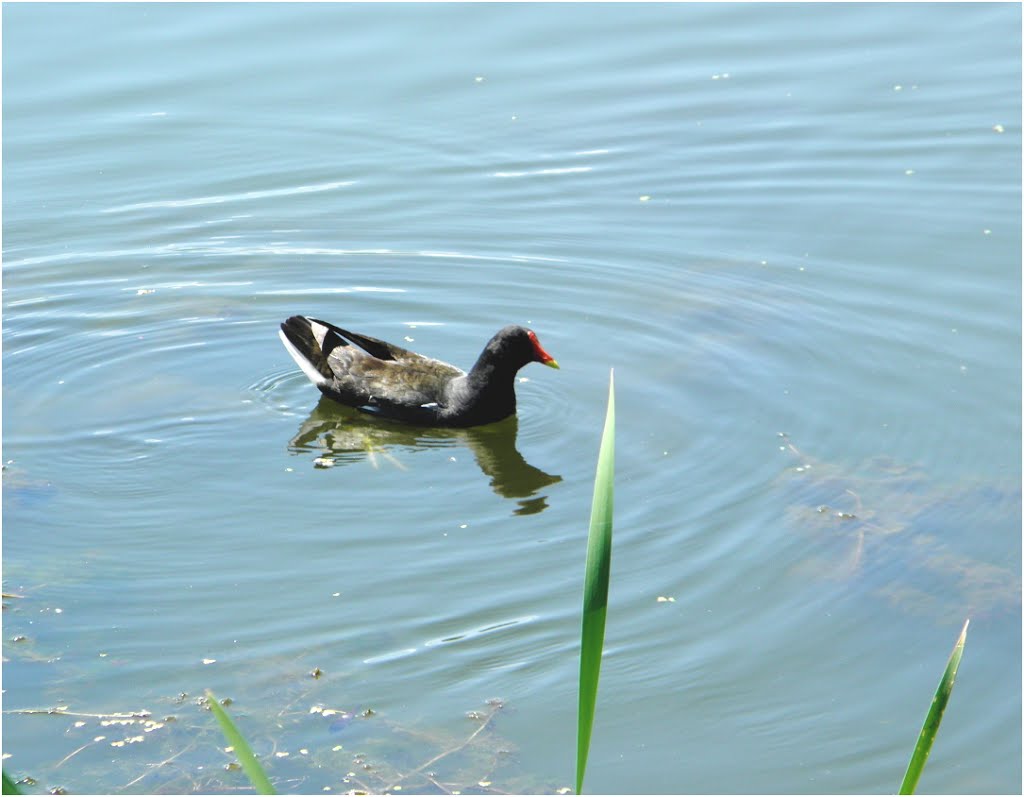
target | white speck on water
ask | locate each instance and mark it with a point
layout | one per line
(998, 128)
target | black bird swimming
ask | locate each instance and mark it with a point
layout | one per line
(391, 382)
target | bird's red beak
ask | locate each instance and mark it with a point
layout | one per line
(542, 356)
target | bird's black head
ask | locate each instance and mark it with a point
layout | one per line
(516, 346)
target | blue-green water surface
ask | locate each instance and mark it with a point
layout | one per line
(792, 230)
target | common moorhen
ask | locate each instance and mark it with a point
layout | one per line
(388, 381)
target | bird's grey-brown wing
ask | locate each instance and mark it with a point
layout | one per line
(377, 373)
(365, 372)
(410, 381)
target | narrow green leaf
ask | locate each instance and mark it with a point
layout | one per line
(257, 777)
(9, 786)
(931, 722)
(595, 587)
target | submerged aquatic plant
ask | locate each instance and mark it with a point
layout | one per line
(595, 588)
(931, 722)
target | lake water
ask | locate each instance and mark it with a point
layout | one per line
(792, 230)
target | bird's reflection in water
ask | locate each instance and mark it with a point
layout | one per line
(340, 435)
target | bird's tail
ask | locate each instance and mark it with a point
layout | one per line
(307, 342)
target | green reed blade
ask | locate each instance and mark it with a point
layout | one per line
(257, 777)
(10, 787)
(595, 587)
(931, 722)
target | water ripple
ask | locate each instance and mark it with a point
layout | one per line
(212, 249)
(218, 199)
(556, 170)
